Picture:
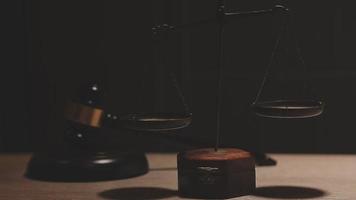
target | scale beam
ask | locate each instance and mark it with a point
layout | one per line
(221, 17)
(278, 9)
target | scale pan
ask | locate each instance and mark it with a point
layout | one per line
(288, 108)
(156, 121)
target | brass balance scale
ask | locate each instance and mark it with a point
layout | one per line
(192, 165)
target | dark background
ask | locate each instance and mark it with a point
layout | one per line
(50, 48)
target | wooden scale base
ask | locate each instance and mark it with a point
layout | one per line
(210, 174)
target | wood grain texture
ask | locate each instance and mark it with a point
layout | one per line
(333, 175)
(211, 154)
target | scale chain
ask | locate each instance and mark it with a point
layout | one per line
(299, 55)
(270, 64)
(180, 93)
(301, 59)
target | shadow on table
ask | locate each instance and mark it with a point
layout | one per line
(164, 169)
(135, 193)
(289, 192)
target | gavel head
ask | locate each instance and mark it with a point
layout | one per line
(86, 107)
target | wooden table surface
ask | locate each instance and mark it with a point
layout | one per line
(295, 177)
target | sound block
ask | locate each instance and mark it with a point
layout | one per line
(86, 167)
(210, 174)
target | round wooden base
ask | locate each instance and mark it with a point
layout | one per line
(210, 174)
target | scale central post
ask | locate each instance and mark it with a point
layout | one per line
(220, 16)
